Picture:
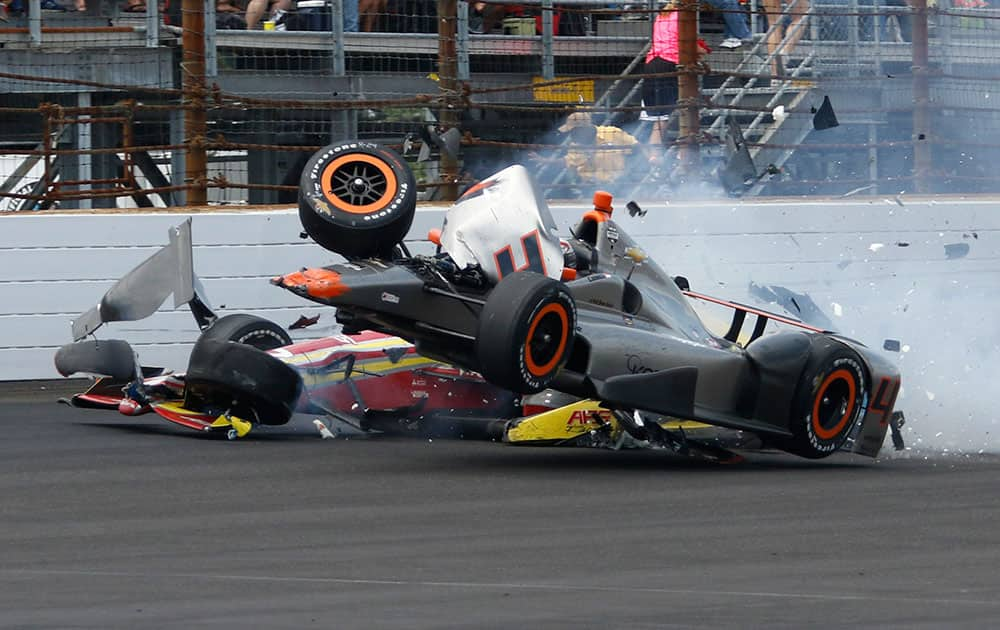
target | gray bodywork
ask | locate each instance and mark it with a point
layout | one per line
(639, 343)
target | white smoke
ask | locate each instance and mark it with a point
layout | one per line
(931, 286)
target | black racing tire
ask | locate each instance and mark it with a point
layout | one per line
(357, 199)
(526, 332)
(828, 402)
(250, 330)
(234, 377)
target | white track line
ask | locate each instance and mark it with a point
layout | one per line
(527, 586)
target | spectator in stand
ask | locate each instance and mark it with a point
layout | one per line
(352, 9)
(280, 8)
(229, 16)
(4, 10)
(370, 10)
(590, 163)
(659, 93)
(484, 17)
(737, 30)
(905, 19)
(792, 26)
(257, 8)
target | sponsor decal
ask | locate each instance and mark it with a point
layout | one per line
(390, 298)
(586, 416)
(635, 366)
(321, 206)
(612, 234)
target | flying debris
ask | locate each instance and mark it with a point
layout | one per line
(799, 304)
(739, 172)
(956, 250)
(324, 432)
(857, 190)
(303, 322)
(824, 117)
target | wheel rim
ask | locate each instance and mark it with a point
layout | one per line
(546, 340)
(359, 184)
(834, 404)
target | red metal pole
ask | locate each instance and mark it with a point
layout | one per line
(195, 118)
(687, 86)
(447, 11)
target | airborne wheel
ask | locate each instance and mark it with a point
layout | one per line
(357, 199)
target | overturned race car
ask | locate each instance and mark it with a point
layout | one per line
(588, 320)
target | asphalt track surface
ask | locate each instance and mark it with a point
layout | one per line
(115, 522)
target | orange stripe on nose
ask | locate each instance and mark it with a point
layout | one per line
(319, 283)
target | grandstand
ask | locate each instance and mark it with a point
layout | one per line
(105, 107)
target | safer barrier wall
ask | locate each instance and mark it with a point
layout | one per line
(924, 272)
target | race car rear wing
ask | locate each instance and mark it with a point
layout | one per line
(140, 292)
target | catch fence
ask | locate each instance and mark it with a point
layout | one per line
(194, 102)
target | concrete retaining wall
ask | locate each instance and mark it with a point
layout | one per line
(925, 272)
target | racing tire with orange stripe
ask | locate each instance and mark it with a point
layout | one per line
(828, 402)
(357, 199)
(526, 332)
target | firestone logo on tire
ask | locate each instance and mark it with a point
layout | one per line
(828, 446)
(392, 207)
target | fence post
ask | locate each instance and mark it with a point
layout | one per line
(211, 57)
(83, 143)
(922, 161)
(35, 22)
(687, 84)
(337, 35)
(152, 23)
(462, 41)
(548, 62)
(195, 118)
(447, 11)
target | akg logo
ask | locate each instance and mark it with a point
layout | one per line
(586, 416)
